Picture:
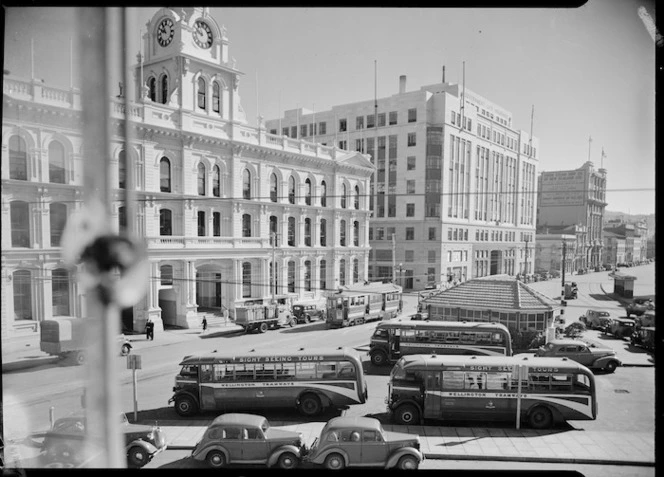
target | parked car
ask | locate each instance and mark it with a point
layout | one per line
(620, 327)
(589, 356)
(647, 319)
(305, 313)
(644, 337)
(362, 441)
(63, 444)
(555, 273)
(237, 438)
(420, 316)
(639, 306)
(595, 319)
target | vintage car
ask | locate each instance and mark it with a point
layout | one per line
(306, 313)
(620, 327)
(644, 337)
(62, 445)
(237, 438)
(589, 356)
(639, 306)
(595, 319)
(362, 442)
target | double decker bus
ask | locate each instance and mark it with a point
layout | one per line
(308, 380)
(457, 388)
(359, 303)
(395, 339)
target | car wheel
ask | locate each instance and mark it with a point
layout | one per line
(126, 349)
(185, 406)
(408, 462)
(379, 358)
(79, 358)
(334, 462)
(307, 319)
(407, 414)
(137, 457)
(262, 328)
(287, 460)
(540, 418)
(216, 459)
(310, 405)
(610, 367)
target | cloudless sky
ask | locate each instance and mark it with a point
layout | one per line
(589, 71)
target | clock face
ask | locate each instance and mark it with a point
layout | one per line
(165, 32)
(203, 35)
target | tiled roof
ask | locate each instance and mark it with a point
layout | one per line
(495, 292)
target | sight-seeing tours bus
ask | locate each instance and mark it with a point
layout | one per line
(395, 339)
(362, 302)
(309, 380)
(458, 388)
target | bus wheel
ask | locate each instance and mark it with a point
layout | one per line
(610, 367)
(540, 418)
(185, 406)
(334, 462)
(408, 462)
(379, 358)
(216, 459)
(262, 328)
(137, 457)
(407, 414)
(79, 357)
(287, 460)
(310, 405)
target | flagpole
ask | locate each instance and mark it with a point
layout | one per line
(32, 58)
(280, 131)
(71, 63)
(297, 133)
(314, 120)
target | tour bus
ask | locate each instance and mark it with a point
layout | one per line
(358, 303)
(309, 380)
(458, 388)
(395, 339)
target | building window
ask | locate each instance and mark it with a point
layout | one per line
(410, 210)
(18, 159)
(152, 88)
(307, 232)
(291, 190)
(322, 270)
(412, 115)
(356, 270)
(356, 200)
(411, 139)
(201, 223)
(432, 233)
(342, 125)
(410, 233)
(273, 230)
(342, 272)
(201, 93)
(165, 222)
(343, 196)
(393, 118)
(291, 231)
(380, 233)
(293, 132)
(22, 281)
(166, 274)
(342, 233)
(284, 131)
(164, 175)
(216, 181)
(323, 194)
(381, 120)
(410, 256)
(371, 121)
(246, 279)
(58, 217)
(312, 129)
(246, 225)
(122, 219)
(322, 128)
(60, 291)
(307, 192)
(201, 179)
(410, 187)
(122, 170)
(246, 184)
(273, 187)
(307, 275)
(323, 232)
(359, 122)
(343, 145)
(303, 130)
(216, 102)
(56, 163)
(356, 233)
(431, 256)
(291, 276)
(410, 163)
(453, 117)
(20, 223)
(164, 89)
(216, 224)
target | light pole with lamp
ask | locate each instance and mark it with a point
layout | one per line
(400, 269)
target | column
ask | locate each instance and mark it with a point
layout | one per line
(265, 289)
(46, 294)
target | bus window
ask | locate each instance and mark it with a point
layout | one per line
(189, 371)
(380, 333)
(340, 304)
(581, 382)
(265, 371)
(206, 373)
(347, 370)
(219, 372)
(453, 379)
(285, 371)
(475, 380)
(497, 381)
(305, 370)
(244, 372)
(561, 382)
(452, 336)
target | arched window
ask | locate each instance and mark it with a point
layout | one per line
(164, 89)
(323, 194)
(246, 184)
(357, 197)
(291, 277)
(343, 196)
(18, 159)
(201, 179)
(273, 187)
(165, 175)
(201, 93)
(122, 218)
(291, 231)
(22, 281)
(122, 170)
(20, 223)
(216, 102)
(60, 290)
(307, 275)
(291, 190)
(246, 225)
(307, 196)
(165, 222)
(56, 163)
(216, 181)
(356, 270)
(342, 233)
(342, 272)
(322, 270)
(58, 216)
(307, 232)
(273, 229)
(356, 233)
(152, 87)
(323, 232)
(166, 274)
(246, 279)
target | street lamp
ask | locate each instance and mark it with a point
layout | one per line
(400, 268)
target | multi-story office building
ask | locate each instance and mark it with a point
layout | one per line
(634, 237)
(576, 197)
(614, 248)
(455, 183)
(211, 190)
(550, 240)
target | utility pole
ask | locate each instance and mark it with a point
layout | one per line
(562, 298)
(394, 259)
(274, 267)
(526, 254)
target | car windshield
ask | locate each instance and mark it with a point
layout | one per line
(380, 333)
(265, 425)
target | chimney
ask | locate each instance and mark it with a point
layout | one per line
(402, 84)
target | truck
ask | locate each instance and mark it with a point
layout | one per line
(263, 317)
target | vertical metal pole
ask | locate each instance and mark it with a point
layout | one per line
(564, 266)
(518, 397)
(394, 259)
(133, 372)
(273, 285)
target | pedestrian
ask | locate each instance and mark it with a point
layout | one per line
(149, 330)
(204, 324)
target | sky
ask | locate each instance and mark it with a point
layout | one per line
(589, 72)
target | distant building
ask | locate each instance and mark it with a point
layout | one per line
(550, 251)
(455, 182)
(635, 237)
(575, 197)
(614, 248)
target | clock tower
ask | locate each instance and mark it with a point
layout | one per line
(186, 64)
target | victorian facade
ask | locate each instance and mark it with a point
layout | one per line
(231, 215)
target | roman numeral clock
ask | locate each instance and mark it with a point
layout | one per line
(165, 32)
(202, 35)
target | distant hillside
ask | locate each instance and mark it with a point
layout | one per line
(632, 218)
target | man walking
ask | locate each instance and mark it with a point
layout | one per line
(204, 324)
(149, 330)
